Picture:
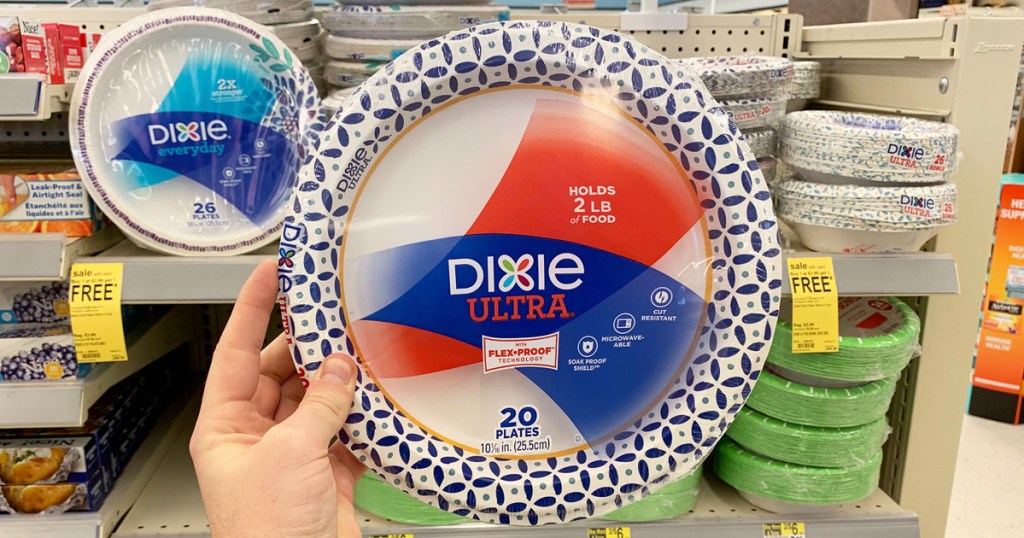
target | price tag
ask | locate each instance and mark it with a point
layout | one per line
(609, 532)
(794, 529)
(812, 282)
(95, 301)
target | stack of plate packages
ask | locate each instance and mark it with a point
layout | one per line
(810, 438)
(805, 86)
(292, 20)
(752, 90)
(377, 497)
(866, 183)
(367, 34)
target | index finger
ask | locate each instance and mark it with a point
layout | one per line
(235, 370)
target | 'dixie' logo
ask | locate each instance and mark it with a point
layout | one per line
(526, 273)
(291, 236)
(905, 152)
(182, 132)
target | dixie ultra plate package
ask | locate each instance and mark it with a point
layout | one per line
(189, 126)
(555, 260)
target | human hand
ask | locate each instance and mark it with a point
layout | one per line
(261, 444)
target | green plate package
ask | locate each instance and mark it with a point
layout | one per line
(815, 406)
(807, 445)
(671, 501)
(877, 338)
(777, 480)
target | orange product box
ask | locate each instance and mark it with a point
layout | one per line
(46, 202)
(54, 58)
(998, 377)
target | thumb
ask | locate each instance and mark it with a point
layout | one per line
(328, 400)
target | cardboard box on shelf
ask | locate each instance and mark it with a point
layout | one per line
(33, 44)
(50, 199)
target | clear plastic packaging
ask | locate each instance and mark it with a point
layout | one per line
(763, 142)
(827, 146)
(408, 22)
(371, 50)
(794, 402)
(392, 180)
(790, 483)
(198, 152)
(673, 500)
(261, 11)
(807, 445)
(341, 73)
(298, 32)
(742, 76)
(877, 338)
(770, 168)
(806, 82)
(381, 499)
(756, 112)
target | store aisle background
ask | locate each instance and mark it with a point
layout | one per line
(988, 489)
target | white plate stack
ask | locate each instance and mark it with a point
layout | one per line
(292, 21)
(866, 183)
(805, 86)
(367, 34)
(752, 90)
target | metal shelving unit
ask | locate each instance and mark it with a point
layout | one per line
(946, 69)
(171, 506)
(35, 105)
(56, 404)
(49, 256)
(178, 417)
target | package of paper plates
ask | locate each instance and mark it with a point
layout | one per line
(756, 112)
(805, 85)
(189, 126)
(781, 487)
(853, 218)
(372, 50)
(503, 223)
(735, 77)
(408, 22)
(261, 11)
(381, 499)
(810, 405)
(826, 146)
(877, 338)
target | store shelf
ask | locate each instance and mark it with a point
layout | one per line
(52, 404)
(910, 274)
(154, 278)
(28, 98)
(48, 256)
(171, 506)
(179, 417)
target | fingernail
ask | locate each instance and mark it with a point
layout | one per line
(337, 370)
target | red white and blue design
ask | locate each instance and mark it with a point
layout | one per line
(555, 260)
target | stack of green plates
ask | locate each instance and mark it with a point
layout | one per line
(877, 338)
(763, 479)
(381, 499)
(813, 429)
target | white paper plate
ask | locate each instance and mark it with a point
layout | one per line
(343, 73)
(298, 32)
(551, 319)
(261, 11)
(828, 239)
(184, 138)
(408, 22)
(371, 50)
(742, 76)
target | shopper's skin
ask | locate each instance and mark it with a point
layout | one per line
(260, 445)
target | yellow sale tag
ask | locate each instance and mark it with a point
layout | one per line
(812, 281)
(609, 532)
(95, 301)
(795, 529)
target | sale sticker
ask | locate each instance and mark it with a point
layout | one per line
(609, 532)
(794, 529)
(95, 302)
(812, 282)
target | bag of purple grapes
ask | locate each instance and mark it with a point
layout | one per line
(34, 352)
(34, 302)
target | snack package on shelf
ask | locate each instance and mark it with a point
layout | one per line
(63, 52)
(34, 302)
(46, 199)
(12, 56)
(33, 46)
(74, 469)
(38, 351)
